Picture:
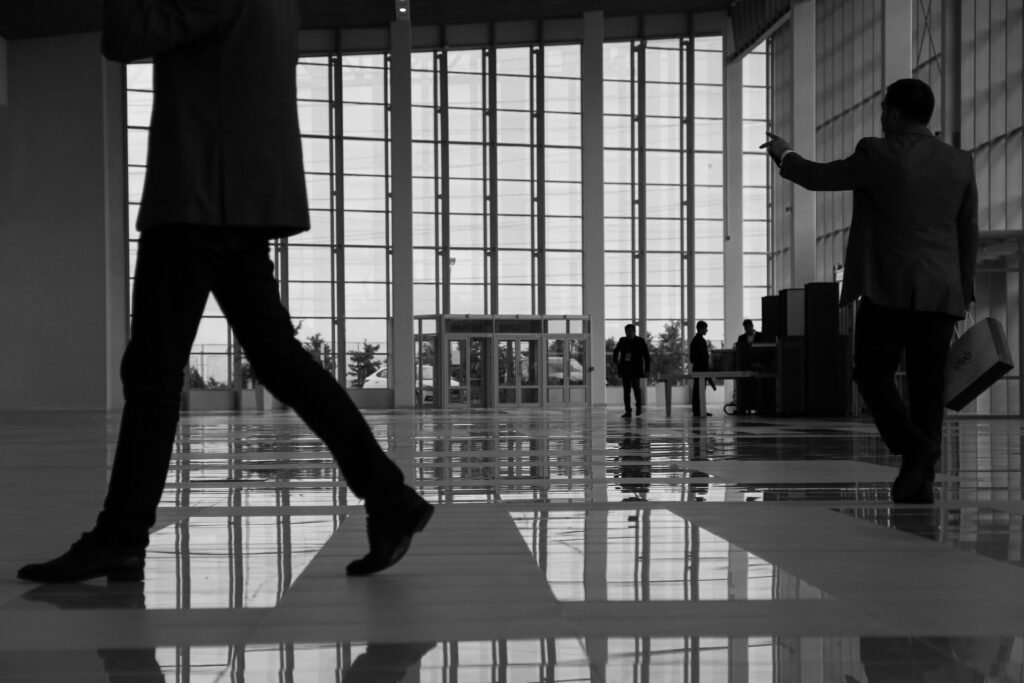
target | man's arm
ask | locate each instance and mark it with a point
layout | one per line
(646, 355)
(844, 174)
(134, 29)
(967, 238)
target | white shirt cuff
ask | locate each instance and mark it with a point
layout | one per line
(783, 156)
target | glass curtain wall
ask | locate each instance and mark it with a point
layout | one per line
(646, 202)
(755, 183)
(497, 195)
(362, 249)
(497, 181)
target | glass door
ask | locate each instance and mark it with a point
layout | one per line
(518, 371)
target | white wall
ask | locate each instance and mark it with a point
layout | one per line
(61, 244)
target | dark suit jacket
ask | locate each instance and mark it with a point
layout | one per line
(914, 233)
(632, 357)
(742, 340)
(700, 355)
(224, 145)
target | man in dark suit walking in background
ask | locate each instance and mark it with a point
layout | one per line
(910, 260)
(634, 362)
(224, 177)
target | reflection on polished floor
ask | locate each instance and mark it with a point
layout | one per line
(568, 545)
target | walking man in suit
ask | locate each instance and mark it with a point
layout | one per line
(634, 362)
(910, 260)
(224, 177)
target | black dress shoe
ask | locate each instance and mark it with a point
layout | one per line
(87, 559)
(390, 525)
(915, 480)
(628, 413)
(639, 411)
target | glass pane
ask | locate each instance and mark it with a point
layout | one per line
(310, 299)
(515, 300)
(562, 60)
(360, 157)
(366, 193)
(514, 92)
(515, 197)
(564, 268)
(665, 234)
(466, 161)
(515, 267)
(467, 231)
(665, 99)
(562, 163)
(563, 199)
(618, 268)
(468, 299)
(664, 168)
(310, 263)
(515, 232)
(364, 227)
(562, 94)
(514, 162)
(563, 233)
(664, 269)
(507, 363)
(562, 129)
(366, 264)
(516, 127)
(363, 120)
(465, 125)
(564, 300)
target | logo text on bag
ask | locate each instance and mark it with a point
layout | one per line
(962, 360)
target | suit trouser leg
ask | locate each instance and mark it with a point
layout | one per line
(172, 283)
(930, 335)
(882, 334)
(627, 386)
(248, 294)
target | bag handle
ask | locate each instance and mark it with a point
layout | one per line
(969, 316)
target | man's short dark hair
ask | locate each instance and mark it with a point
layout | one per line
(748, 323)
(912, 98)
(630, 326)
(701, 323)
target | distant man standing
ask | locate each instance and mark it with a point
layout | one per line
(634, 362)
(224, 177)
(910, 260)
(750, 334)
(700, 361)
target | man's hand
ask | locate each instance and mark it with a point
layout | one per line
(776, 147)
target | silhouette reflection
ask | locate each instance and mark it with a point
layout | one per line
(120, 664)
(385, 662)
(634, 467)
(938, 659)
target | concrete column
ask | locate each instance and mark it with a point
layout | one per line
(804, 122)
(898, 40)
(402, 348)
(63, 272)
(3, 72)
(733, 247)
(593, 194)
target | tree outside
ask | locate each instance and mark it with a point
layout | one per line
(362, 364)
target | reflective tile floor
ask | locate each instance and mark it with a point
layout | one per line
(568, 545)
